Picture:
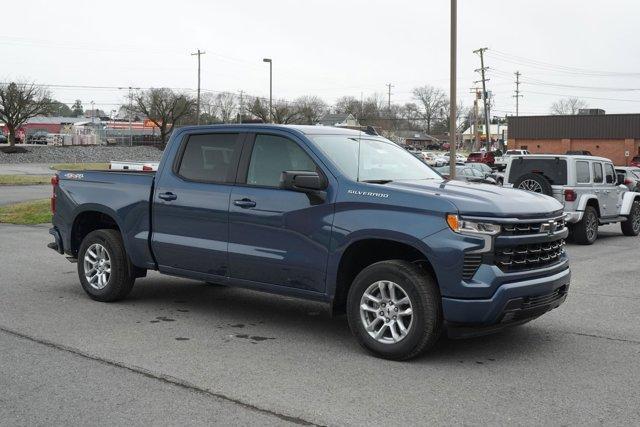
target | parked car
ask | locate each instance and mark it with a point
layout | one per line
(465, 173)
(3, 139)
(485, 157)
(487, 171)
(631, 177)
(134, 166)
(588, 186)
(501, 161)
(38, 137)
(635, 161)
(332, 215)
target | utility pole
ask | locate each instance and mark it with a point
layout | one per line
(476, 132)
(482, 69)
(130, 112)
(389, 86)
(199, 53)
(517, 95)
(453, 45)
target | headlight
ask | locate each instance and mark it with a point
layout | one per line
(464, 226)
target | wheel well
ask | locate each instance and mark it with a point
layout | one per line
(87, 222)
(594, 203)
(363, 253)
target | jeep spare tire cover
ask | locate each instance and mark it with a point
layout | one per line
(535, 183)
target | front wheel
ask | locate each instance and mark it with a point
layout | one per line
(394, 309)
(631, 227)
(104, 269)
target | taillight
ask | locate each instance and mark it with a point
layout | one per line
(147, 168)
(55, 180)
(628, 181)
(570, 196)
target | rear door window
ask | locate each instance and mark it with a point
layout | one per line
(583, 174)
(209, 158)
(597, 173)
(553, 169)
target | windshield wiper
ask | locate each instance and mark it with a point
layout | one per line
(377, 181)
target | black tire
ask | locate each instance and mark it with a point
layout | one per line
(631, 227)
(422, 290)
(122, 274)
(581, 231)
(525, 182)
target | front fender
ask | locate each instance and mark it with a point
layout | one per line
(368, 234)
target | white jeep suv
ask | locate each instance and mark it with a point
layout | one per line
(591, 191)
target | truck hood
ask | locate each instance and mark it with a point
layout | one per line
(484, 199)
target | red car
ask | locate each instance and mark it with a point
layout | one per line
(485, 157)
(635, 162)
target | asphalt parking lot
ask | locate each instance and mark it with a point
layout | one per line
(180, 351)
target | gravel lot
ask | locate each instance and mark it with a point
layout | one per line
(89, 153)
(258, 358)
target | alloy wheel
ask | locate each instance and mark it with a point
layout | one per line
(97, 266)
(530, 185)
(386, 312)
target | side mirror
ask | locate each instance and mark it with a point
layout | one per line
(302, 181)
(620, 179)
(609, 179)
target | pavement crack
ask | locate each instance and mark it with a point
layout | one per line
(603, 337)
(158, 376)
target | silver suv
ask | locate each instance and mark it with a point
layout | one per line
(591, 191)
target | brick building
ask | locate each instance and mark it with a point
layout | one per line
(614, 136)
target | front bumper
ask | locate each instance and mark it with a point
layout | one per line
(512, 304)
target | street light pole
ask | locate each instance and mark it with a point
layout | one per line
(270, 88)
(452, 90)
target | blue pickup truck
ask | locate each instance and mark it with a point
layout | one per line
(328, 214)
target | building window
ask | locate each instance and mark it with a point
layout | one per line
(525, 147)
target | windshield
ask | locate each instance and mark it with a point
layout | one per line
(379, 160)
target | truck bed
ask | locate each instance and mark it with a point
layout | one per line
(123, 196)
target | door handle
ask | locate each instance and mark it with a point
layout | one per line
(168, 196)
(244, 203)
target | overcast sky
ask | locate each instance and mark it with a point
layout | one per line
(329, 48)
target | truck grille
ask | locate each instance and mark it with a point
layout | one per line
(526, 257)
(543, 300)
(532, 228)
(471, 264)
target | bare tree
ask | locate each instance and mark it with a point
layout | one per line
(259, 109)
(568, 106)
(18, 103)
(310, 109)
(285, 112)
(208, 108)
(226, 105)
(164, 108)
(431, 101)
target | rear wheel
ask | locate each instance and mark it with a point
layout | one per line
(631, 227)
(104, 269)
(394, 309)
(585, 232)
